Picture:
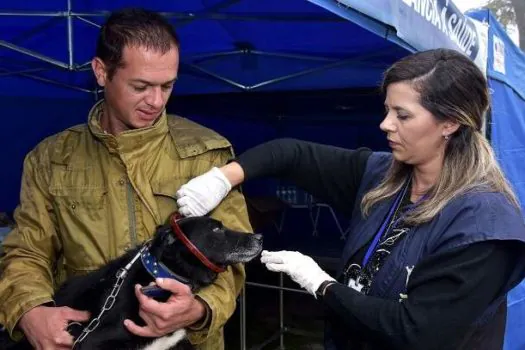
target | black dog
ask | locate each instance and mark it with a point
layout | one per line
(192, 250)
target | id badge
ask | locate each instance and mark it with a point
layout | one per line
(355, 285)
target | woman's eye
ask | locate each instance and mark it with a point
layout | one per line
(402, 117)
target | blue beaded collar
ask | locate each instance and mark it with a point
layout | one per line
(157, 269)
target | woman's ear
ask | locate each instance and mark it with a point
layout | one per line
(450, 127)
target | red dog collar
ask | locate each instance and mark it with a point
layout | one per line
(192, 248)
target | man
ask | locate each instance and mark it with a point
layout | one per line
(95, 190)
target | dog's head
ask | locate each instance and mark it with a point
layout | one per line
(219, 245)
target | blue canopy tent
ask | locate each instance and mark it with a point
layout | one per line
(505, 72)
(252, 70)
(228, 46)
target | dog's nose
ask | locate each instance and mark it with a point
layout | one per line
(257, 236)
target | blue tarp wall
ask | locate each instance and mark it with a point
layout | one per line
(506, 72)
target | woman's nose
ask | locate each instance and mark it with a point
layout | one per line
(387, 124)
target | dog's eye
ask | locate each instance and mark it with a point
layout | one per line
(216, 229)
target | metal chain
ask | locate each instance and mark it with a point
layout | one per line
(108, 304)
(110, 300)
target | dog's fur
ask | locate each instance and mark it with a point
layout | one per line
(219, 244)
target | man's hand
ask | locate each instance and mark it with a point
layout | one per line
(301, 268)
(179, 311)
(45, 327)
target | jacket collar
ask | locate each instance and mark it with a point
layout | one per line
(131, 141)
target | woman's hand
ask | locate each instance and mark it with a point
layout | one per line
(203, 193)
(301, 268)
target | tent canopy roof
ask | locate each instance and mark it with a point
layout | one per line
(226, 46)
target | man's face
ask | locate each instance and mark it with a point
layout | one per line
(138, 92)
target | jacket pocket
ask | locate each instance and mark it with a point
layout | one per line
(165, 195)
(82, 216)
(86, 199)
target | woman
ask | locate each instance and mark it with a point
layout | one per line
(437, 238)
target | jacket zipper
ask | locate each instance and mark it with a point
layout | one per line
(131, 216)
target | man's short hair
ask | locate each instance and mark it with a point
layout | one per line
(133, 27)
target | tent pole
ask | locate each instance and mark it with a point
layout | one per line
(210, 56)
(217, 76)
(83, 66)
(18, 72)
(195, 15)
(294, 56)
(70, 35)
(88, 22)
(45, 80)
(34, 14)
(33, 54)
(302, 73)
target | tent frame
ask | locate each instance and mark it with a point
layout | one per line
(192, 65)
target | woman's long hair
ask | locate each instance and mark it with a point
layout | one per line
(451, 87)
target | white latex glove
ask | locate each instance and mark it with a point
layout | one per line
(301, 268)
(203, 193)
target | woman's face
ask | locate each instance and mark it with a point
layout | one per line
(414, 134)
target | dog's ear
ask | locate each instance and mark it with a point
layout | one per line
(167, 240)
(162, 239)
